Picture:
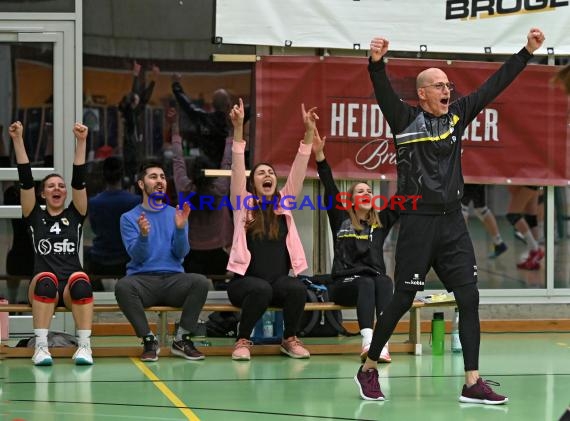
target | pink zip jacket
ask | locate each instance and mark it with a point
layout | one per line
(240, 256)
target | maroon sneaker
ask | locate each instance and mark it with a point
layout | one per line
(481, 392)
(368, 385)
(151, 349)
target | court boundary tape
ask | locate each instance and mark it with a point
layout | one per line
(169, 394)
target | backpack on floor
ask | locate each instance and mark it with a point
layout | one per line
(222, 324)
(320, 323)
(55, 340)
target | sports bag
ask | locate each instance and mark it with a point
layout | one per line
(321, 323)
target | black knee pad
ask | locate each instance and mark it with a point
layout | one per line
(513, 218)
(46, 288)
(531, 220)
(482, 212)
(80, 289)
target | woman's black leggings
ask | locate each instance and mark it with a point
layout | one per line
(467, 298)
(370, 295)
(253, 295)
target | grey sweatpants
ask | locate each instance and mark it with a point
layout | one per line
(186, 290)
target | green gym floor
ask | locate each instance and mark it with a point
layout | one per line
(533, 370)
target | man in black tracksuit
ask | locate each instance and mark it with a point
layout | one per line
(428, 147)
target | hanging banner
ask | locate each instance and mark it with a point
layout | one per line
(520, 138)
(449, 26)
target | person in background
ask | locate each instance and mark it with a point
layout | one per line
(132, 108)
(108, 256)
(210, 225)
(358, 270)
(521, 213)
(563, 78)
(266, 244)
(20, 257)
(56, 233)
(212, 128)
(476, 193)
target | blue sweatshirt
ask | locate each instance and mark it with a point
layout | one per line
(165, 247)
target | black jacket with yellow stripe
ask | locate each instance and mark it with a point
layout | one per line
(428, 148)
(356, 252)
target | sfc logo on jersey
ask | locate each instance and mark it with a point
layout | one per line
(44, 247)
(59, 247)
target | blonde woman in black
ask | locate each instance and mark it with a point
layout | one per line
(358, 230)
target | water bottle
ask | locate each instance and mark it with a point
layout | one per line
(455, 342)
(267, 324)
(437, 334)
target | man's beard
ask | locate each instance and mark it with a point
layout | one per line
(150, 191)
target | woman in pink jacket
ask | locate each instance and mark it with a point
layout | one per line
(266, 244)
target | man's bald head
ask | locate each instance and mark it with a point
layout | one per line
(428, 76)
(221, 100)
(434, 91)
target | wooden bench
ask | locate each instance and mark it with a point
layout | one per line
(100, 277)
(411, 345)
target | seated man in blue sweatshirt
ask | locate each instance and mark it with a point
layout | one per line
(156, 238)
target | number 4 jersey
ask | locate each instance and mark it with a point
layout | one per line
(56, 240)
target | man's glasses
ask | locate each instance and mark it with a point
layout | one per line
(440, 86)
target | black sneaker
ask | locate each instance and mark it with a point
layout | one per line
(499, 249)
(185, 348)
(151, 349)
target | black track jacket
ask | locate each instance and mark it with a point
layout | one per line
(428, 148)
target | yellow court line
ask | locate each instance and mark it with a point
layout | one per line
(165, 390)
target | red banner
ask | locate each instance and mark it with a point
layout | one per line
(520, 138)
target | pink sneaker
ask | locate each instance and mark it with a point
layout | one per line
(385, 355)
(294, 348)
(242, 350)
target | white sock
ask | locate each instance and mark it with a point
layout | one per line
(41, 337)
(498, 239)
(366, 336)
(181, 332)
(530, 241)
(541, 230)
(84, 337)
